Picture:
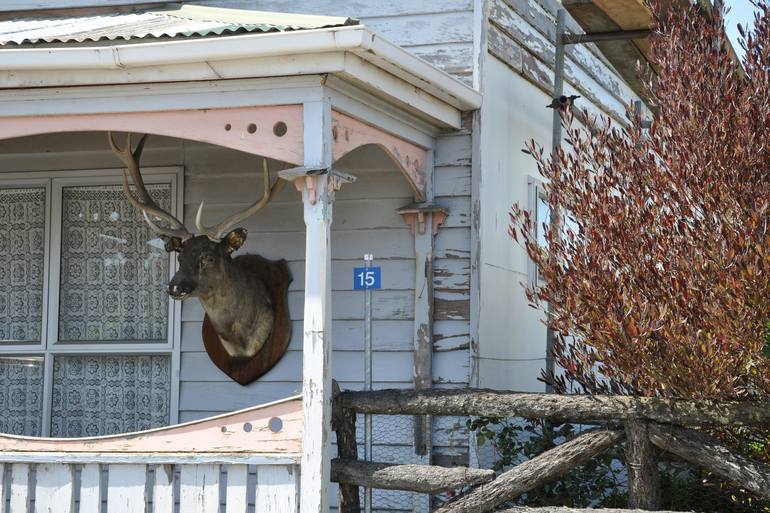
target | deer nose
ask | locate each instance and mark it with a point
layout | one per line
(179, 290)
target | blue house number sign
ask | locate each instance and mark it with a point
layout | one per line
(367, 278)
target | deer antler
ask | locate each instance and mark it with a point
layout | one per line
(145, 203)
(216, 233)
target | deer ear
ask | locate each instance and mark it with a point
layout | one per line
(171, 243)
(234, 240)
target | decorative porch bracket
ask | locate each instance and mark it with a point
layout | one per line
(304, 177)
(413, 161)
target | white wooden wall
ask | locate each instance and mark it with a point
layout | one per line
(517, 83)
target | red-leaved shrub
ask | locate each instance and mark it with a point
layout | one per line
(666, 285)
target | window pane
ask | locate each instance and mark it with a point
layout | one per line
(543, 218)
(104, 395)
(21, 395)
(112, 280)
(22, 257)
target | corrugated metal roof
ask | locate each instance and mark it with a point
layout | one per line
(173, 21)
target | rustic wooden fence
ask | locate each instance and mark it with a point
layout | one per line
(644, 423)
(177, 468)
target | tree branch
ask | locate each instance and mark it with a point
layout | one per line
(531, 474)
(704, 451)
(413, 478)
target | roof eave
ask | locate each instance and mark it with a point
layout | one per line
(122, 59)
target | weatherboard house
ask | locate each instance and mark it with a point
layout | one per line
(388, 130)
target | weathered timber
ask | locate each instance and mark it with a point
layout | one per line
(531, 474)
(344, 424)
(703, 450)
(643, 476)
(413, 478)
(562, 509)
(574, 408)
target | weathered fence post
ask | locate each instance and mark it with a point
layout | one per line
(344, 423)
(643, 476)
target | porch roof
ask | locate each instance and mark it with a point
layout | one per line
(215, 44)
(164, 21)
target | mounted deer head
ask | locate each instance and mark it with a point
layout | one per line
(238, 294)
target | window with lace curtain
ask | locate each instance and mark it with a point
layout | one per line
(86, 327)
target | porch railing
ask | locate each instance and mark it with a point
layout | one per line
(643, 423)
(196, 467)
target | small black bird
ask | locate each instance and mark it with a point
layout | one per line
(562, 102)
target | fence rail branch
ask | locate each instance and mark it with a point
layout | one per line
(532, 473)
(705, 451)
(562, 509)
(574, 408)
(413, 478)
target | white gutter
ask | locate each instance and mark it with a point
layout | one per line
(357, 39)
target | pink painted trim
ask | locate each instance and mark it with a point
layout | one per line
(220, 434)
(208, 126)
(350, 133)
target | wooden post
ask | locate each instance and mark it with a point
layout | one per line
(316, 347)
(643, 477)
(424, 220)
(423, 315)
(423, 346)
(344, 424)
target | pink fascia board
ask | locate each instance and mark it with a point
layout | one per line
(274, 131)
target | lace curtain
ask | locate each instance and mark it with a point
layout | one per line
(104, 395)
(22, 257)
(112, 281)
(21, 395)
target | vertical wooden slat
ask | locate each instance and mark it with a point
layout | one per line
(237, 498)
(20, 488)
(90, 488)
(163, 489)
(53, 490)
(126, 489)
(277, 489)
(199, 489)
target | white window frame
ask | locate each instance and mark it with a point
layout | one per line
(48, 347)
(534, 192)
(45, 183)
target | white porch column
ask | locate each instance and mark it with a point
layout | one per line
(317, 344)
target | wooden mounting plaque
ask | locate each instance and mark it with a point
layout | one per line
(276, 276)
